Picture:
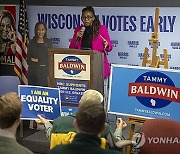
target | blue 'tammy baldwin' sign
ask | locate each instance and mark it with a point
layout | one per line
(39, 100)
(144, 92)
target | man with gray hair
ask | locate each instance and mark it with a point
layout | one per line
(10, 111)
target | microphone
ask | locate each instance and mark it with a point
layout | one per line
(81, 31)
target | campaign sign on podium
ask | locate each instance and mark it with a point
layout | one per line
(74, 71)
(38, 100)
(71, 90)
(144, 92)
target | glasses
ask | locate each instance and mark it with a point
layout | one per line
(87, 17)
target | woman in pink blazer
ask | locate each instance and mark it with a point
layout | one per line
(92, 35)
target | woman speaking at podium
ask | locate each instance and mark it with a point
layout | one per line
(94, 36)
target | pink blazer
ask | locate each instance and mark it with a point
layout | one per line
(97, 45)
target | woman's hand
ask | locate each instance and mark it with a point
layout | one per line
(105, 42)
(80, 33)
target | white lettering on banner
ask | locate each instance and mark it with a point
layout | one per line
(155, 79)
(163, 140)
(77, 93)
(40, 99)
(74, 66)
(38, 107)
(65, 113)
(160, 91)
(77, 89)
(153, 112)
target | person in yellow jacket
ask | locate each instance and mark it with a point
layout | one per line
(64, 124)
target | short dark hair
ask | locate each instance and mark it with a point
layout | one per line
(90, 118)
(10, 109)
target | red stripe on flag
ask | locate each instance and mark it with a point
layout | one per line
(18, 69)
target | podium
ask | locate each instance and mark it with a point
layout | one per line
(74, 71)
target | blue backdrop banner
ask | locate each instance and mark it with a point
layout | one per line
(129, 28)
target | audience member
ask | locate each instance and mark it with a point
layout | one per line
(89, 123)
(120, 142)
(10, 110)
(120, 125)
(64, 124)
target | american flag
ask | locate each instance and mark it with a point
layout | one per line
(22, 40)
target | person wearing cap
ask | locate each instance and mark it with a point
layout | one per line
(64, 124)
